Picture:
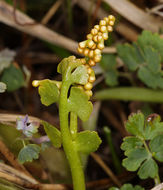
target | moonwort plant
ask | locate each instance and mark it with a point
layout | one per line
(73, 94)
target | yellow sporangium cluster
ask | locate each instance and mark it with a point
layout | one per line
(92, 47)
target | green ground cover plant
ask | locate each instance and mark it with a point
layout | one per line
(142, 63)
(141, 60)
(72, 94)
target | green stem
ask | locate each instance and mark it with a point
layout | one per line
(73, 125)
(68, 145)
(146, 147)
(130, 94)
(70, 18)
(157, 177)
(115, 158)
(23, 143)
(157, 180)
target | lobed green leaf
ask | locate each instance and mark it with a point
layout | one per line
(13, 78)
(148, 169)
(49, 92)
(147, 38)
(29, 153)
(153, 59)
(156, 146)
(79, 104)
(153, 128)
(145, 56)
(130, 56)
(135, 124)
(130, 143)
(68, 63)
(152, 80)
(135, 159)
(80, 75)
(111, 78)
(87, 141)
(108, 64)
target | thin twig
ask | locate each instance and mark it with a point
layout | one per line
(106, 169)
(51, 12)
(135, 15)
(96, 11)
(44, 21)
(156, 10)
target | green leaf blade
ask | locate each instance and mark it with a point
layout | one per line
(79, 104)
(147, 38)
(153, 59)
(13, 78)
(80, 75)
(130, 143)
(148, 169)
(153, 127)
(29, 153)
(135, 124)
(87, 141)
(156, 146)
(129, 55)
(152, 80)
(135, 158)
(53, 133)
(108, 64)
(49, 92)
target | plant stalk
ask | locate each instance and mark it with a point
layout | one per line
(73, 125)
(157, 177)
(68, 145)
(130, 94)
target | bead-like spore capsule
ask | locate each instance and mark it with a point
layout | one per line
(91, 53)
(82, 45)
(89, 36)
(109, 28)
(103, 29)
(92, 79)
(97, 58)
(103, 23)
(100, 45)
(80, 50)
(86, 51)
(94, 31)
(90, 43)
(89, 93)
(91, 62)
(88, 86)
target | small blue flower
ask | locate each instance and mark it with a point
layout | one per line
(27, 128)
